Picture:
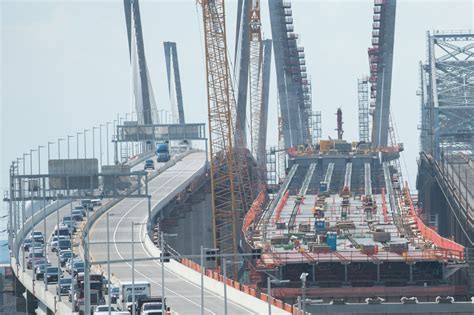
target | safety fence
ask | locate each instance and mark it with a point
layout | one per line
(254, 210)
(452, 249)
(241, 287)
(281, 205)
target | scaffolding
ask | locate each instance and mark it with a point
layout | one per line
(316, 129)
(363, 100)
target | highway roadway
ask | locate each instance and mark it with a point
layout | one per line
(183, 296)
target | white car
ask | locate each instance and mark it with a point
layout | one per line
(103, 309)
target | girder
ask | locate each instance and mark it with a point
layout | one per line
(447, 93)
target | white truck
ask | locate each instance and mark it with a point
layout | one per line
(125, 300)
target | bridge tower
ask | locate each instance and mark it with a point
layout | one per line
(144, 99)
(380, 60)
(259, 80)
(174, 81)
(294, 91)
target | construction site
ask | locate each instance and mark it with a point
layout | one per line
(239, 225)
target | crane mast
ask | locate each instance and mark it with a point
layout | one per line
(230, 182)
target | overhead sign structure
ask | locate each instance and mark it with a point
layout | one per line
(112, 181)
(73, 174)
(160, 132)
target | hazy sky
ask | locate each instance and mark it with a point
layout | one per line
(65, 64)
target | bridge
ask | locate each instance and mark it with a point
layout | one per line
(446, 167)
(199, 223)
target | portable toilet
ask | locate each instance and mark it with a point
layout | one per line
(331, 240)
(323, 187)
(319, 225)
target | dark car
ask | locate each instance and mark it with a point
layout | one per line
(64, 285)
(114, 294)
(64, 255)
(149, 164)
(27, 243)
(40, 269)
(64, 244)
(52, 274)
(77, 215)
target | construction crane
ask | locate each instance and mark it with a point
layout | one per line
(230, 181)
(259, 74)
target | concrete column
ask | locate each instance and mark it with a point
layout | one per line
(410, 264)
(345, 264)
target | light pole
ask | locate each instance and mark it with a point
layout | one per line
(100, 145)
(133, 267)
(59, 147)
(107, 140)
(269, 289)
(32, 214)
(202, 274)
(162, 240)
(85, 142)
(303, 290)
(224, 274)
(77, 144)
(68, 150)
(93, 141)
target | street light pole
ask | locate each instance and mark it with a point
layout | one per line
(224, 273)
(133, 270)
(107, 140)
(85, 143)
(59, 147)
(269, 295)
(93, 141)
(162, 247)
(303, 290)
(202, 280)
(108, 261)
(77, 144)
(100, 145)
(68, 150)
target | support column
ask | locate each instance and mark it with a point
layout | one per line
(378, 282)
(411, 264)
(346, 278)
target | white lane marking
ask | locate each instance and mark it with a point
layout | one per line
(118, 252)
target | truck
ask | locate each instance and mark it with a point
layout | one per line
(141, 290)
(162, 152)
(151, 306)
(96, 290)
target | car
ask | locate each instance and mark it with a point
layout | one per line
(63, 245)
(27, 243)
(36, 247)
(114, 294)
(77, 215)
(32, 263)
(64, 230)
(103, 309)
(64, 285)
(76, 268)
(55, 240)
(33, 256)
(87, 203)
(69, 222)
(64, 255)
(40, 269)
(37, 237)
(96, 202)
(149, 164)
(51, 275)
(82, 209)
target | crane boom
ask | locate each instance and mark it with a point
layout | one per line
(230, 182)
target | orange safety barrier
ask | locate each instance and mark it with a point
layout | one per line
(264, 297)
(452, 248)
(280, 205)
(254, 210)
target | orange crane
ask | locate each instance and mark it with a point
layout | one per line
(230, 180)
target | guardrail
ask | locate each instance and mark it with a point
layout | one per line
(46, 297)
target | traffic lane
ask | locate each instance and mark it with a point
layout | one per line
(149, 269)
